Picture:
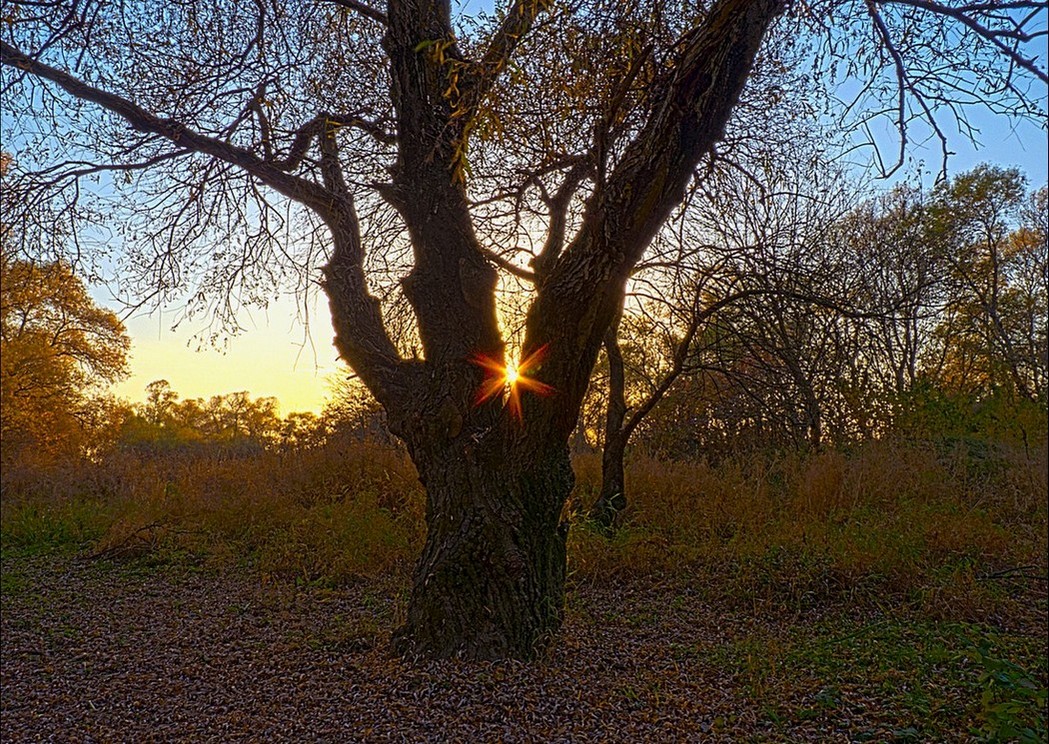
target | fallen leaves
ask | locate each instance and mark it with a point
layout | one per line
(100, 653)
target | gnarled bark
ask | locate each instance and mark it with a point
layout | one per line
(490, 581)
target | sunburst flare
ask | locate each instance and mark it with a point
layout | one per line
(511, 377)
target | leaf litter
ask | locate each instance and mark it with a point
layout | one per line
(100, 652)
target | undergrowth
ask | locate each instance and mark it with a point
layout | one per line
(913, 680)
(934, 526)
(330, 515)
(904, 519)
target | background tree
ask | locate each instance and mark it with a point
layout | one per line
(352, 413)
(903, 278)
(993, 330)
(772, 150)
(230, 424)
(59, 350)
(208, 110)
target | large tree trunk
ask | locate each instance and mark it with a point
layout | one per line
(490, 582)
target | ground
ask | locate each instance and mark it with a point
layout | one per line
(140, 650)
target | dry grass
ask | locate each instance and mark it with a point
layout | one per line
(920, 521)
(331, 514)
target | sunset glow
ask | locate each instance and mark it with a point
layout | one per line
(512, 377)
(276, 356)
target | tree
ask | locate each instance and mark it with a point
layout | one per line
(222, 425)
(333, 110)
(300, 430)
(56, 348)
(903, 277)
(770, 178)
(159, 407)
(353, 414)
(993, 332)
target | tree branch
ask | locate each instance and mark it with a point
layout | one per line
(451, 287)
(361, 336)
(557, 206)
(961, 14)
(902, 84)
(363, 9)
(293, 187)
(515, 26)
(690, 107)
(87, 169)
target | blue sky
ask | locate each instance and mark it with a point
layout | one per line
(1020, 144)
(1023, 145)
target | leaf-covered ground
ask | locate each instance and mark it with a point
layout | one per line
(96, 651)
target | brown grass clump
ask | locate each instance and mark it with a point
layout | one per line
(332, 514)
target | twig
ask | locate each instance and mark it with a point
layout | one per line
(1017, 572)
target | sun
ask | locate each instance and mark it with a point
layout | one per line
(513, 377)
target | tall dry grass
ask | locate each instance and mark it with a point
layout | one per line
(922, 520)
(332, 513)
(926, 521)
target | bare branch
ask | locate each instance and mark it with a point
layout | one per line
(604, 128)
(293, 187)
(87, 169)
(902, 85)
(962, 15)
(508, 266)
(557, 205)
(363, 9)
(318, 126)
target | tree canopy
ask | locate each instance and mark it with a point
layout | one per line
(57, 347)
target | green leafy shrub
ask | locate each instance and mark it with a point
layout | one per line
(1013, 702)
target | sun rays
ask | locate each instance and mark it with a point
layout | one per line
(512, 377)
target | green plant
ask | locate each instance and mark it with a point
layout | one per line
(43, 528)
(1012, 701)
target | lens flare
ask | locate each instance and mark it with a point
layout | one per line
(500, 378)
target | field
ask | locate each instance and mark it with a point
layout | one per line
(892, 592)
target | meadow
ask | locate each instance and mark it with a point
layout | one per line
(895, 590)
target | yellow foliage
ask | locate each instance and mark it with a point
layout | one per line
(57, 349)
